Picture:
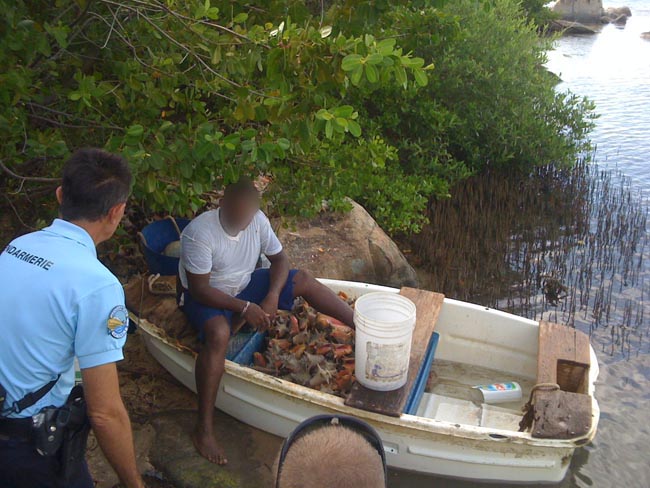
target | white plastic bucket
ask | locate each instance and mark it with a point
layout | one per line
(384, 326)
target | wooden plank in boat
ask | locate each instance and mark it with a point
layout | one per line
(563, 357)
(427, 305)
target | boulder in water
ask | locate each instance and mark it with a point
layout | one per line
(614, 12)
(586, 11)
(568, 27)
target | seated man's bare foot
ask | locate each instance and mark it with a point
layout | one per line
(208, 446)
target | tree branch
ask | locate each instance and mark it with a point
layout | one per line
(39, 179)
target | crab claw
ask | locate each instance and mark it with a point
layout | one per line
(341, 350)
(294, 327)
(259, 359)
(342, 333)
(281, 344)
(323, 349)
(322, 322)
(343, 381)
(298, 350)
(348, 364)
(301, 338)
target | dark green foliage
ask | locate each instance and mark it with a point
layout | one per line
(329, 100)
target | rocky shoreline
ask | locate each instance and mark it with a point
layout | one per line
(586, 16)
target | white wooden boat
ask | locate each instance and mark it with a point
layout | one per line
(450, 436)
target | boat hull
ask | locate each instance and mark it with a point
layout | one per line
(412, 443)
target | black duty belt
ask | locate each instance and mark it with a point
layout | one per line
(21, 429)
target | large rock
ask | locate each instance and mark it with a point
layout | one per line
(614, 12)
(347, 246)
(616, 15)
(568, 27)
(586, 11)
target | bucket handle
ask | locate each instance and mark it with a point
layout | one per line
(175, 224)
(143, 241)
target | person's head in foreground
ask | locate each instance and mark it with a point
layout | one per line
(239, 204)
(332, 451)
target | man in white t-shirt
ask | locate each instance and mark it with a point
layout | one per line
(220, 285)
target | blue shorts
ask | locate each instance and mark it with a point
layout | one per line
(198, 314)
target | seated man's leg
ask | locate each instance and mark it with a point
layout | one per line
(209, 369)
(321, 297)
(300, 283)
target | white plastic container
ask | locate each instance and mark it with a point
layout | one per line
(384, 326)
(498, 392)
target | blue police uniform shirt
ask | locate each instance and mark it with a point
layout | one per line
(58, 301)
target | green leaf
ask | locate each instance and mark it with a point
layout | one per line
(186, 168)
(420, 77)
(412, 62)
(354, 128)
(400, 75)
(324, 114)
(150, 182)
(371, 73)
(355, 77)
(240, 18)
(248, 145)
(284, 143)
(351, 62)
(374, 58)
(345, 111)
(135, 130)
(386, 46)
(329, 129)
(212, 13)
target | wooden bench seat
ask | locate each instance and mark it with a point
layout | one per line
(427, 305)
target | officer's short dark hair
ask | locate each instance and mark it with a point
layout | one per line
(94, 181)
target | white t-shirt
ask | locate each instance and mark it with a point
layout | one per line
(207, 248)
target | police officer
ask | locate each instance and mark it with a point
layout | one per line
(57, 301)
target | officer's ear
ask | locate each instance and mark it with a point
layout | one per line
(116, 213)
(59, 194)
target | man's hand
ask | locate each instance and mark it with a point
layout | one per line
(257, 317)
(270, 305)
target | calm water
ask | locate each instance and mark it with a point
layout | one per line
(612, 69)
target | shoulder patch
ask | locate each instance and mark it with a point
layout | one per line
(118, 322)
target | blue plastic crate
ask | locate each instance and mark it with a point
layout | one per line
(237, 343)
(254, 344)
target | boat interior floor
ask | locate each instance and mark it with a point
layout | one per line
(449, 396)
